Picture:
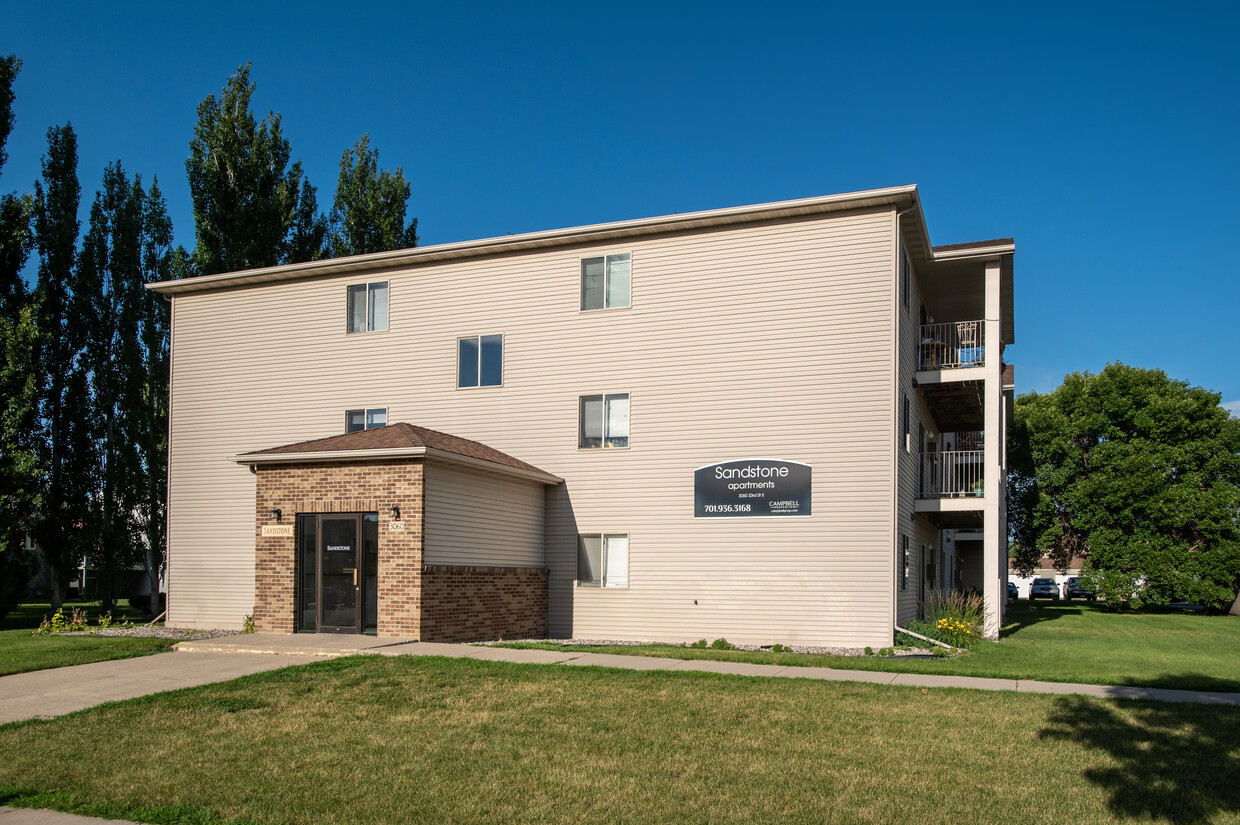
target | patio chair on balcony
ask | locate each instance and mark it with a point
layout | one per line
(971, 355)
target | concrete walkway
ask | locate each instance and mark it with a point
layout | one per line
(47, 693)
(323, 645)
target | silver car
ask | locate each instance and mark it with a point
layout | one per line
(1044, 589)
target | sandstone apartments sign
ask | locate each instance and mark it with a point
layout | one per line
(751, 488)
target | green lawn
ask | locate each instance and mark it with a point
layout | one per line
(373, 739)
(21, 652)
(1054, 642)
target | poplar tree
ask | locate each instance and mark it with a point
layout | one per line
(109, 267)
(64, 447)
(252, 207)
(368, 214)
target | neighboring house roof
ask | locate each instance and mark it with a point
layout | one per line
(395, 441)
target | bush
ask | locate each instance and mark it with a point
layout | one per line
(700, 644)
(722, 644)
(142, 602)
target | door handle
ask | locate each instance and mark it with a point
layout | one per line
(352, 570)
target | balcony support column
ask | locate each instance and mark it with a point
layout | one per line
(994, 548)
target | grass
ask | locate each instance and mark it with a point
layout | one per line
(374, 739)
(1052, 642)
(20, 652)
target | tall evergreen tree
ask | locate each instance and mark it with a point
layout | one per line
(148, 391)
(19, 466)
(15, 210)
(251, 207)
(62, 509)
(369, 210)
(110, 267)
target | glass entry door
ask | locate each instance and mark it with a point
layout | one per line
(339, 574)
(338, 561)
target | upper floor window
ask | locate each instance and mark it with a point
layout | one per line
(605, 282)
(355, 420)
(604, 421)
(480, 361)
(368, 307)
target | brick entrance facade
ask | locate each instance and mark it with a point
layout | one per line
(415, 600)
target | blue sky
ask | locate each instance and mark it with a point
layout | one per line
(1102, 137)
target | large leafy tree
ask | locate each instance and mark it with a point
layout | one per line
(252, 206)
(369, 210)
(1138, 474)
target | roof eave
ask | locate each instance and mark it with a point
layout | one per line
(536, 240)
(340, 456)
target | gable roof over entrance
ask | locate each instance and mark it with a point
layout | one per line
(396, 441)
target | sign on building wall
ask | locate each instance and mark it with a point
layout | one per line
(751, 488)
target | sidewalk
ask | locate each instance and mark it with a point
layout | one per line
(320, 645)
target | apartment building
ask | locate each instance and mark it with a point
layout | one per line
(772, 423)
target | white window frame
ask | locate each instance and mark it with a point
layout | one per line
(367, 413)
(370, 316)
(606, 258)
(604, 582)
(606, 436)
(479, 338)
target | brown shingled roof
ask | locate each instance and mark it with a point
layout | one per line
(397, 437)
(974, 244)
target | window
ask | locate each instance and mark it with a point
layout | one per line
(603, 560)
(904, 430)
(605, 282)
(604, 421)
(480, 361)
(904, 562)
(368, 307)
(356, 420)
(905, 266)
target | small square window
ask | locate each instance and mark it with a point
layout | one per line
(480, 361)
(357, 420)
(605, 281)
(603, 421)
(368, 307)
(603, 560)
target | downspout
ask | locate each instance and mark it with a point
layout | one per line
(926, 638)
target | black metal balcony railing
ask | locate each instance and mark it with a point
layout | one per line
(953, 474)
(952, 345)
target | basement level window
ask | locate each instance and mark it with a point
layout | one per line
(603, 560)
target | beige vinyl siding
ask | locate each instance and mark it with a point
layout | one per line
(762, 340)
(476, 518)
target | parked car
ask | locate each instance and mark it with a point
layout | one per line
(1013, 592)
(1073, 589)
(1043, 589)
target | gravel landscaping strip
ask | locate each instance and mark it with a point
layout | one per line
(155, 632)
(830, 651)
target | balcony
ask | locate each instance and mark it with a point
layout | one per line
(952, 474)
(954, 345)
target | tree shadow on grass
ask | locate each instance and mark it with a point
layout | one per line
(1169, 761)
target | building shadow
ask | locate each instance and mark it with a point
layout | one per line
(1025, 614)
(1170, 761)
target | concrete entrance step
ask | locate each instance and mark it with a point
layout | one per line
(293, 644)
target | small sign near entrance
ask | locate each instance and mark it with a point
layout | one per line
(396, 526)
(277, 530)
(751, 488)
